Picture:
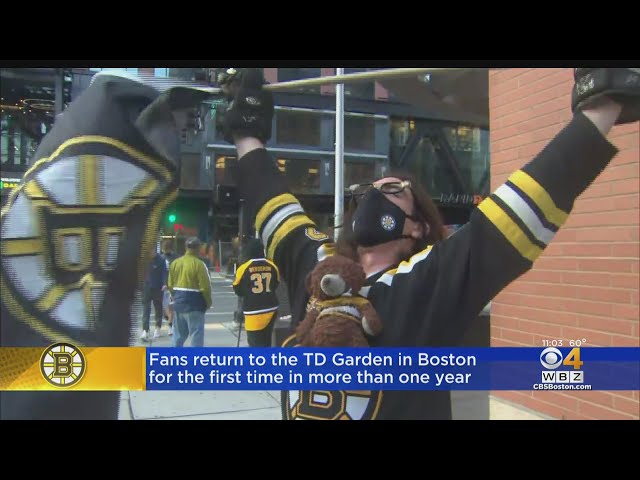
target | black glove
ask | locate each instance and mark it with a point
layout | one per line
(622, 85)
(250, 111)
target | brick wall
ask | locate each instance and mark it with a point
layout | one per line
(586, 283)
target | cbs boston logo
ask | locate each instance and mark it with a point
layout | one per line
(552, 360)
(63, 365)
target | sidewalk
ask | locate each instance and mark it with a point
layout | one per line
(206, 405)
(263, 405)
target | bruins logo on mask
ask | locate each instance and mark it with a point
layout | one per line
(62, 228)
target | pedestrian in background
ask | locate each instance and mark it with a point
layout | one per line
(256, 282)
(190, 286)
(155, 284)
(168, 252)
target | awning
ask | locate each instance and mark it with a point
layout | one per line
(462, 95)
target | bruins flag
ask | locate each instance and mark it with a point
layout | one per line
(75, 235)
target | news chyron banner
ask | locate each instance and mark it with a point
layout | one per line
(66, 366)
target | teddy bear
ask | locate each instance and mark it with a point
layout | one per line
(337, 316)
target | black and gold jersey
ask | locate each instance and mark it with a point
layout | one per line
(430, 299)
(256, 282)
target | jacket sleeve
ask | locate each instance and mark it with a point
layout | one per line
(172, 277)
(165, 272)
(204, 283)
(290, 237)
(455, 279)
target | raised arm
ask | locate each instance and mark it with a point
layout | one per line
(457, 277)
(289, 236)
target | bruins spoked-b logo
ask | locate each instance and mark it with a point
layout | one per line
(388, 222)
(314, 234)
(63, 365)
(329, 405)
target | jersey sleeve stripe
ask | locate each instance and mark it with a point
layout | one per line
(518, 221)
(277, 219)
(510, 229)
(525, 213)
(285, 228)
(273, 206)
(540, 197)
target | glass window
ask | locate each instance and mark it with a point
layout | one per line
(190, 171)
(290, 74)
(431, 170)
(471, 149)
(303, 175)
(225, 169)
(296, 127)
(401, 131)
(189, 74)
(359, 132)
(359, 172)
(161, 72)
(20, 136)
(365, 90)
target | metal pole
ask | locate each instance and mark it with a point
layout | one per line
(369, 76)
(59, 90)
(241, 219)
(339, 166)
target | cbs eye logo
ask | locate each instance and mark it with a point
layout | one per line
(551, 358)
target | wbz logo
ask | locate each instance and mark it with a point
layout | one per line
(552, 359)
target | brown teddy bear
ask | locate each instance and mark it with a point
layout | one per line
(337, 318)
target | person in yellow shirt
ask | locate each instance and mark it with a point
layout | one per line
(190, 287)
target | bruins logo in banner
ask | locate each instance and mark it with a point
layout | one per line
(62, 228)
(63, 365)
(330, 405)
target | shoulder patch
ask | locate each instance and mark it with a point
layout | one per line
(314, 234)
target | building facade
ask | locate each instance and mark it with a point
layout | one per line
(585, 285)
(448, 153)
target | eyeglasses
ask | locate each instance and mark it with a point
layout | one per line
(360, 189)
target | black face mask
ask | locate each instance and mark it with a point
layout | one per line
(378, 220)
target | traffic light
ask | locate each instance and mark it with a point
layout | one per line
(172, 218)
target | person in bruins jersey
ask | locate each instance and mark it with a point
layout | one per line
(256, 282)
(75, 233)
(426, 289)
